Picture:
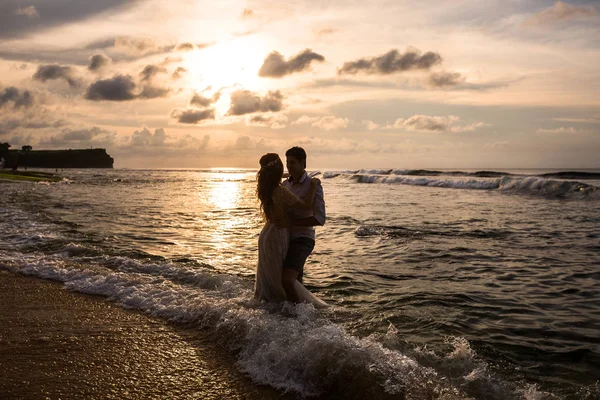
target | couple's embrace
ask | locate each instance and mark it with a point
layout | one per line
(291, 209)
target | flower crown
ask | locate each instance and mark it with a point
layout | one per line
(272, 163)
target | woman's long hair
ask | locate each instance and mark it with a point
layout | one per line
(268, 178)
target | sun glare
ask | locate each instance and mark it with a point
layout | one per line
(227, 65)
(224, 194)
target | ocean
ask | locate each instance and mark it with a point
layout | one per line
(442, 284)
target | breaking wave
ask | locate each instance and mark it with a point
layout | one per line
(531, 185)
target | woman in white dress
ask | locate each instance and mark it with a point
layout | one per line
(274, 238)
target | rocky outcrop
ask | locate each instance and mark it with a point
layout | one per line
(83, 158)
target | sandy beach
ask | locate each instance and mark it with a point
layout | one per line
(58, 344)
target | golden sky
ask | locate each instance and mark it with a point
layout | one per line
(378, 84)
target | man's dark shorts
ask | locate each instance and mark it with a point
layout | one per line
(299, 250)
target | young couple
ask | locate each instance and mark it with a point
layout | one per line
(291, 209)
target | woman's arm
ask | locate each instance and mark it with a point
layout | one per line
(308, 203)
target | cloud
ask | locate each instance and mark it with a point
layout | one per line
(150, 71)
(139, 46)
(273, 121)
(117, 88)
(17, 97)
(98, 61)
(559, 12)
(245, 144)
(202, 101)
(184, 47)
(123, 88)
(580, 120)
(29, 12)
(391, 62)
(52, 13)
(192, 142)
(561, 130)
(193, 115)
(345, 146)
(153, 92)
(426, 123)
(178, 73)
(35, 119)
(275, 65)
(371, 125)
(324, 31)
(496, 145)
(81, 137)
(54, 71)
(247, 102)
(328, 123)
(445, 79)
(247, 13)
(81, 134)
(145, 138)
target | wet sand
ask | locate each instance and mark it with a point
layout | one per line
(59, 344)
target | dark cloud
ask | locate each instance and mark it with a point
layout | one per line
(202, 101)
(391, 62)
(123, 88)
(18, 98)
(445, 79)
(153, 92)
(150, 71)
(178, 72)
(275, 65)
(193, 115)
(184, 47)
(246, 102)
(117, 88)
(54, 71)
(17, 20)
(98, 61)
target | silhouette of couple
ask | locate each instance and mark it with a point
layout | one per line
(292, 208)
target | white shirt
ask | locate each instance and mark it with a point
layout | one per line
(301, 189)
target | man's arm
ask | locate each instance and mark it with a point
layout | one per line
(318, 218)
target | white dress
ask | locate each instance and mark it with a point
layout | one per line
(273, 243)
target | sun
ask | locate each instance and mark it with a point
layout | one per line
(230, 64)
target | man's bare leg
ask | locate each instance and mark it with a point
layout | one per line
(288, 278)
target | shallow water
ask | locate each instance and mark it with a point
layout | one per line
(443, 283)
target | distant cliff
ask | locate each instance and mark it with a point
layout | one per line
(84, 158)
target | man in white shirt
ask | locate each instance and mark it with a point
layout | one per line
(302, 231)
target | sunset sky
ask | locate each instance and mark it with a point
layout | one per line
(378, 84)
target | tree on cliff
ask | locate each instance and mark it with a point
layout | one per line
(4, 148)
(25, 149)
(3, 153)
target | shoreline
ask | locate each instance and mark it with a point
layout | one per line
(60, 344)
(29, 176)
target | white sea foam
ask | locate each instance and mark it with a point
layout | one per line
(528, 185)
(305, 354)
